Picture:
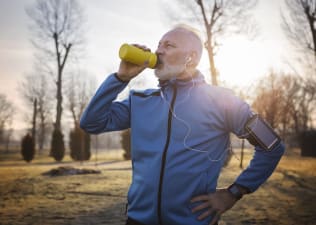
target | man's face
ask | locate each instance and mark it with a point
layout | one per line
(172, 53)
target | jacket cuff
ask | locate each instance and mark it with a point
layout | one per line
(119, 79)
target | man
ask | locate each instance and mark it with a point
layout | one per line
(180, 137)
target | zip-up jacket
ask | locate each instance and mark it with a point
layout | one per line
(180, 135)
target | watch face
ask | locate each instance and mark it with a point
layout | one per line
(234, 190)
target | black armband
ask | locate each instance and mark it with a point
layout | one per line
(260, 133)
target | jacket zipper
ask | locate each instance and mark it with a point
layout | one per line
(164, 155)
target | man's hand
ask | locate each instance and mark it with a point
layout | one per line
(128, 71)
(216, 204)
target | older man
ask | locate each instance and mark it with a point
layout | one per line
(180, 137)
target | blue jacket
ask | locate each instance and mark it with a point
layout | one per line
(180, 135)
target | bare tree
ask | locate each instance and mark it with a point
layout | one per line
(268, 99)
(57, 28)
(79, 91)
(290, 88)
(7, 138)
(34, 120)
(306, 106)
(298, 104)
(6, 115)
(35, 86)
(300, 24)
(284, 100)
(216, 18)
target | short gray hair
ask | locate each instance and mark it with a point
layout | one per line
(194, 35)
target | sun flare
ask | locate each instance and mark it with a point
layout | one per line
(239, 61)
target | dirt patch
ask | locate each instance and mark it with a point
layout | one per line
(68, 170)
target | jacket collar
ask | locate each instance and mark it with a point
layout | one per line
(196, 78)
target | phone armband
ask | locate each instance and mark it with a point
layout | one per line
(260, 133)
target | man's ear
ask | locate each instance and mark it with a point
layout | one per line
(192, 59)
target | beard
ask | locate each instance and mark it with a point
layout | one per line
(169, 71)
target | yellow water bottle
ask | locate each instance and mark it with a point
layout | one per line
(132, 54)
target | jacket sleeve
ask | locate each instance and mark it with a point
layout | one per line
(103, 113)
(263, 162)
(260, 167)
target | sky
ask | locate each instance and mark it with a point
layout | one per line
(112, 23)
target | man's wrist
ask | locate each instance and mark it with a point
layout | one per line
(237, 191)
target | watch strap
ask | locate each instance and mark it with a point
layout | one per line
(235, 191)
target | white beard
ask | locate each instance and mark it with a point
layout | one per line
(169, 71)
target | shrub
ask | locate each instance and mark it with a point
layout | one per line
(28, 148)
(307, 141)
(126, 143)
(57, 145)
(79, 145)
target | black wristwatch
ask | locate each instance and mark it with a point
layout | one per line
(235, 191)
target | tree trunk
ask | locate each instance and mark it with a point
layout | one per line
(59, 108)
(311, 22)
(242, 153)
(34, 120)
(60, 67)
(42, 133)
(209, 47)
(212, 63)
(8, 139)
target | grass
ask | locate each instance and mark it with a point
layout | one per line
(28, 197)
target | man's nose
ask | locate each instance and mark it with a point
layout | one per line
(159, 50)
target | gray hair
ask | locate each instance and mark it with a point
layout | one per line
(195, 38)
